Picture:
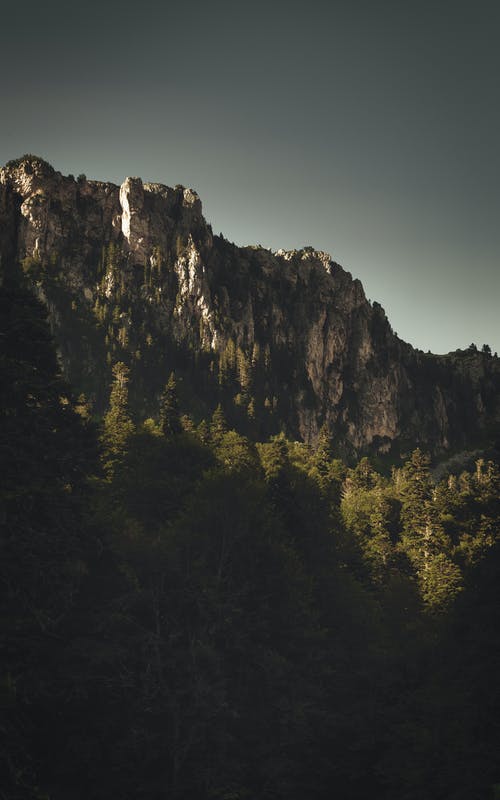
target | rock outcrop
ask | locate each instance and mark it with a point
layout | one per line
(288, 339)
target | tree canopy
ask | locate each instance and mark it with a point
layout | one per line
(209, 617)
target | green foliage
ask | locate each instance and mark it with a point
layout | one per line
(216, 618)
(30, 161)
(218, 424)
(46, 451)
(235, 453)
(324, 468)
(227, 364)
(441, 581)
(118, 425)
(244, 372)
(170, 420)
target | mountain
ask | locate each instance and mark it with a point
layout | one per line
(187, 613)
(284, 340)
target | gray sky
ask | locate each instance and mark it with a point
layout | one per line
(367, 129)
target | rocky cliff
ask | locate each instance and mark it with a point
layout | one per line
(285, 340)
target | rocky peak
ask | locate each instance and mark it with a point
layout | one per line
(135, 227)
(133, 274)
(27, 173)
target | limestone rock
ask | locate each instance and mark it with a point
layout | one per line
(133, 273)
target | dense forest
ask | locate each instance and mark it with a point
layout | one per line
(189, 613)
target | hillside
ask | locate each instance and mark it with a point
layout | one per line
(285, 341)
(198, 605)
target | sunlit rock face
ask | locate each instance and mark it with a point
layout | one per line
(133, 273)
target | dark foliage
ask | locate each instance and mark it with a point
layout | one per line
(207, 618)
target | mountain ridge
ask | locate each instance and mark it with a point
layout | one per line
(285, 340)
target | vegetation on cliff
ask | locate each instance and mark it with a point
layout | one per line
(191, 612)
(284, 341)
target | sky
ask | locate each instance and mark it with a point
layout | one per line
(365, 128)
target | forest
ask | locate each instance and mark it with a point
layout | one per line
(188, 613)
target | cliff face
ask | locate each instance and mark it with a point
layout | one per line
(285, 340)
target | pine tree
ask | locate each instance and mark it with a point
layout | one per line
(251, 409)
(170, 421)
(118, 425)
(363, 475)
(424, 539)
(267, 357)
(255, 355)
(415, 487)
(218, 425)
(323, 454)
(274, 458)
(324, 468)
(203, 432)
(187, 424)
(227, 363)
(378, 548)
(440, 581)
(244, 372)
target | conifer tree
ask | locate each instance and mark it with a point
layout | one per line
(415, 487)
(187, 423)
(378, 548)
(323, 453)
(440, 581)
(170, 421)
(218, 425)
(251, 409)
(244, 371)
(227, 363)
(118, 425)
(274, 458)
(424, 539)
(363, 475)
(323, 467)
(267, 357)
(203, 432)
(255, 355)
